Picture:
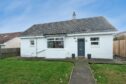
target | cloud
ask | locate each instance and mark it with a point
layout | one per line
(19, 15)
(37, 12)
(15, 4)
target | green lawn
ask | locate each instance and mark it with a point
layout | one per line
(109, 74)
(14, 71)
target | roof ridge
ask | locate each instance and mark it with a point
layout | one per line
(70, 20)
(10, 33)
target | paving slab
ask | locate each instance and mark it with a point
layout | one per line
(82, 73)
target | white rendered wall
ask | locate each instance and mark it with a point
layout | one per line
(103, 50)
(26, 49)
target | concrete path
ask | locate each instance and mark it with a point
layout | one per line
(81, 73)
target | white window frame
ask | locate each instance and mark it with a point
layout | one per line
(55, 39)
(98, 41)
(32, 40)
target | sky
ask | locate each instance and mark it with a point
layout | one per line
(19, 15)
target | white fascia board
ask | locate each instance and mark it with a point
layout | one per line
(88, 34)
(78, 34)
(31, 37)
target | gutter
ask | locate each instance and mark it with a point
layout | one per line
(76, 34)
(98, 33)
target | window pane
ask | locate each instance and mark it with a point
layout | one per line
(59, 39)
(32, 42)
(94, 39)
(94, 43)
(55, 44)
(61, 44)
(58, 44)
(50, 44)
(51, 39)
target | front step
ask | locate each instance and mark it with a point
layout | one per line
(80, 58)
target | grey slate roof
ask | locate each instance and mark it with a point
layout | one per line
(86, 25)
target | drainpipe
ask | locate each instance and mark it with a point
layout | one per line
(36, 46)
(0, 50)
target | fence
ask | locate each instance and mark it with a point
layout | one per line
(10, 51)
(119, 48)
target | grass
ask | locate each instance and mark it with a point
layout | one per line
(13, 71)
(109, 74)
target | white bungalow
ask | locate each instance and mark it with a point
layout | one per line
(80, 37)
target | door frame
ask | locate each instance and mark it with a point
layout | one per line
(83, 47)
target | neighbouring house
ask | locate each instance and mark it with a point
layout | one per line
(77, 37)
(120, 36)
(10, 40)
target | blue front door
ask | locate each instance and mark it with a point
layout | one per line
(81, 47)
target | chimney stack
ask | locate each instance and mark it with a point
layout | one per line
(74, 15)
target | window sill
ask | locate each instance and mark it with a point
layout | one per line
(32, 46)
(95, 46)
(55, 48)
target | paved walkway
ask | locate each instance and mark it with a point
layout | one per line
(81, 73)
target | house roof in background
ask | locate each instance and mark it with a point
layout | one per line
(121, 33)
(85, 25)
(8, 36)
